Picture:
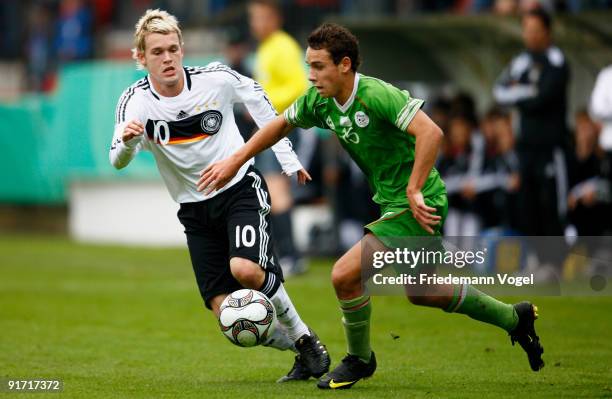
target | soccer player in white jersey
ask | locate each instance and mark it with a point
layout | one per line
(184, 116)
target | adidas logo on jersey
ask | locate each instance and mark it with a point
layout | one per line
(182, 115)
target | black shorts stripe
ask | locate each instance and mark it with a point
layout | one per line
(262, 196)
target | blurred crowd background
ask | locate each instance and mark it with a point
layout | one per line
(44, 34)
(65, 63)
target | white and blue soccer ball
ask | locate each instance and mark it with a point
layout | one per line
(247, 317)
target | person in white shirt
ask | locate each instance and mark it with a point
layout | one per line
(184, 116)
(601, 107)
(601, 111)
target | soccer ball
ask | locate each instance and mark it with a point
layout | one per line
(247, 317)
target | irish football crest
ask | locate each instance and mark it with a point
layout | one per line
(361, 119)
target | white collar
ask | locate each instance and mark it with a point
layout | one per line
(159, 96)
(349, 102)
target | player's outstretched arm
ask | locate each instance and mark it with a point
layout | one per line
(220, 173)
(428, 140)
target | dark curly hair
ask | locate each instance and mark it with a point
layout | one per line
(542, 15)
(339, 41)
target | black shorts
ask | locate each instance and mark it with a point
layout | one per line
(235, 223)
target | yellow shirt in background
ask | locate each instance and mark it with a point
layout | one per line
(279, 68)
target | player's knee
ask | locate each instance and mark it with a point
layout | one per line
(344, 278)
(248, 273)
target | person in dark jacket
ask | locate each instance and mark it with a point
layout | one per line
(536, 84)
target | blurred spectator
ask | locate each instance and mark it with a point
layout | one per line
(279, 68)
(536, 83)
(601, 110)
(236, 52)
(40, 53)
(128, 11)
(11, 18)
(581, 5)
(463, 104)
(75, 30)
(103, 11)
(505, 7)
(279, 61)
(302, 16)
(526, 6)
(481, 5)
(499, 182)
(440, 112)
(501, 7)
(460, 167)
(588, 199)
(216, 6)
(436, 5)
(366, 7)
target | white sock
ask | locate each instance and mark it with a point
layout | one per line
(280, 339)
(287, 315)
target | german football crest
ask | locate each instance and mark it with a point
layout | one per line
(361, 119)
(211, 121)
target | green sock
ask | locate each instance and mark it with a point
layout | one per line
(480, 306)
(356, 323)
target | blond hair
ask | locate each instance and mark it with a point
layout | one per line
(153, 21)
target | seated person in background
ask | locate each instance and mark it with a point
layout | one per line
(499, 180)
(589, 195)
(459, 166)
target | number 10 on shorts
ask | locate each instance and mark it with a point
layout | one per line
(245, 236)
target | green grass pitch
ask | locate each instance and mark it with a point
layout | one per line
(117, 322)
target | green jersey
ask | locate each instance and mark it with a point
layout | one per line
(371, 126)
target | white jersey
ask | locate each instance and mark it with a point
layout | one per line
(194, 129)
(601, 106)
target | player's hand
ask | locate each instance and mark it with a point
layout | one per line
(589, 198)
(425, 215)
(469, 191)
(572, 201)
(514, 182)
(217, 175)
(131, 130)
(303, 177)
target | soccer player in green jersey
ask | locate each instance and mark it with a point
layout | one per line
(395, 144)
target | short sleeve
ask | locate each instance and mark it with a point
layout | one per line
(129, 106)
(245, 90)
(302, 113)
(394, 105)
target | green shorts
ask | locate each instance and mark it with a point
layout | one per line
(397, 224)
(398, 229)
